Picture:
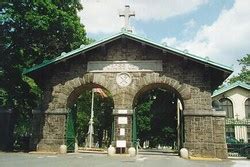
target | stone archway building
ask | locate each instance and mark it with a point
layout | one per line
(124, 64)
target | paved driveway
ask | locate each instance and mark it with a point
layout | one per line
(93, 160)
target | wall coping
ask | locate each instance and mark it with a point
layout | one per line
(57, 111)
(205, 113)
(119, 111)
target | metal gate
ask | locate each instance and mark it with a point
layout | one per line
(70, 132)
(180, 125)
(134, 130)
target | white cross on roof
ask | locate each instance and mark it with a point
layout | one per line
(126, 14)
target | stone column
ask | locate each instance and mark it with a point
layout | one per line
(205, 134)
(53, 132)
(122, 129)
(36, 129)
(220, 134)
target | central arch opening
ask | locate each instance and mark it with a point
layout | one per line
(158, 120)
(90, 120)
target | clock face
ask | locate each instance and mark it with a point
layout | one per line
(123, 79)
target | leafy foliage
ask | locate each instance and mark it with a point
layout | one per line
(244, 75)
(102, 118)
(143, 120)
(156, 117)
(30, 32)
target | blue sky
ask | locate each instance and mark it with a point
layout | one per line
(177, 26)
(219, 29)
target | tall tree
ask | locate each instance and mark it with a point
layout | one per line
(32, 31)
(244, 75)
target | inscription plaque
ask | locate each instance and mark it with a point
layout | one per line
(122, 131)
(121, 143)
(122, 111)
(122, 120)
(125, 66)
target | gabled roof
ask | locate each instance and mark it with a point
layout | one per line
(65, 56)
(231, 86)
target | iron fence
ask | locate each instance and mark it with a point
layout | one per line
(239, 150)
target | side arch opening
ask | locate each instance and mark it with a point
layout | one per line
(89, 120)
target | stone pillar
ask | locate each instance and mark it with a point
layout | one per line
(36, 129)
(122, 130)
(220, 134)
(205, 134)
(53, 132)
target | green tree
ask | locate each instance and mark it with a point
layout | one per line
(32, 31)
(143, 120)
(244, 75)
(155, 117)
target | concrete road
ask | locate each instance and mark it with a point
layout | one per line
(96, 160)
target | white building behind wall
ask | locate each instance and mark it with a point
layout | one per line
(235, 100)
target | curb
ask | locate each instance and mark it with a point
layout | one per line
(92, 152)
(204, 159)
(41, 152)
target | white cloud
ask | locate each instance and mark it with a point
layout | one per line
(163, 9)
(190, 24)
(226, 40)
(189, 29)
(101, 16)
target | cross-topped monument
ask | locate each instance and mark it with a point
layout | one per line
(126, 14)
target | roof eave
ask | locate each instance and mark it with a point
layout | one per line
(177, 52)
(71, 54)
(183, 54)
(230, 87)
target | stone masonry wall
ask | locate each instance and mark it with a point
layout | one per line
(37, 117)
(219, 137)
(199, 135)
(205, 135)
(53, 132)
(190, 80)
(128, 131)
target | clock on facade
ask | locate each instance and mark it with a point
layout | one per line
(123, 79)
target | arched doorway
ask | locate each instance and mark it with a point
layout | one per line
(158, 118)
(89, 118)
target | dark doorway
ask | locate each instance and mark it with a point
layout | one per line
(158, 120)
